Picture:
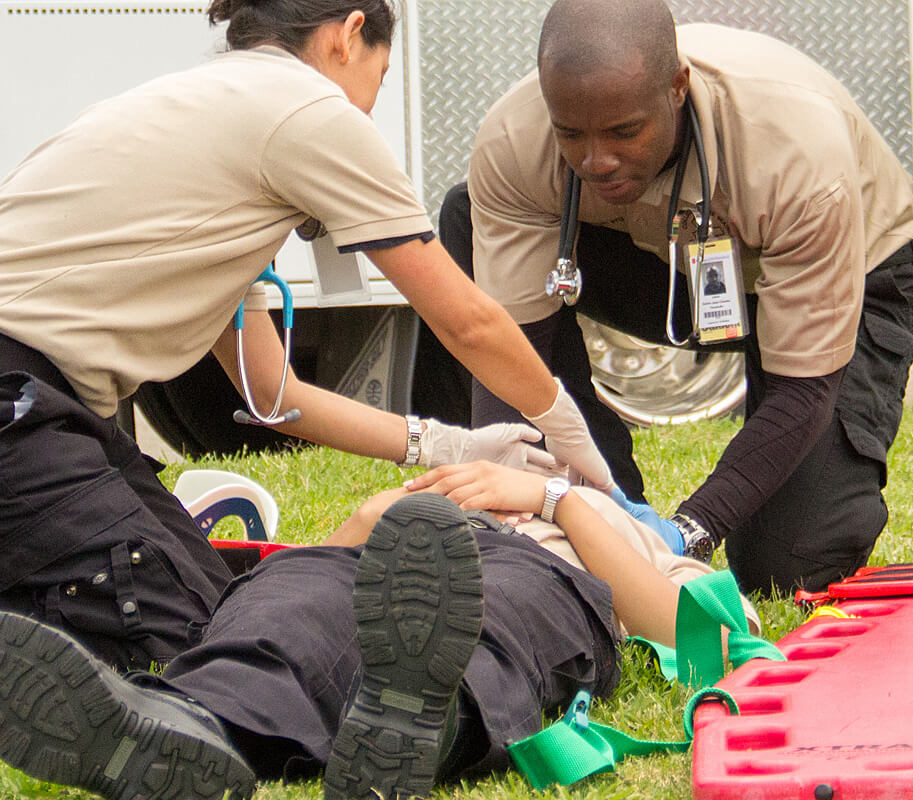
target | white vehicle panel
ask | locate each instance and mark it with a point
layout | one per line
(59, 57)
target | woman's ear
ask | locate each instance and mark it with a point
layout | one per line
(349, 35)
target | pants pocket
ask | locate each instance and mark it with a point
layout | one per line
(870, 404)
(122, 599)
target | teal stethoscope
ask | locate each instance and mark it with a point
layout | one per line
(565, 280)
(255, 417)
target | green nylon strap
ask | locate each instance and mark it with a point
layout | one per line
(574, 748)
(704, 605)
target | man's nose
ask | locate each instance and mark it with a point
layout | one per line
(600, 158)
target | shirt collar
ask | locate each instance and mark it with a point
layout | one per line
(273, 50)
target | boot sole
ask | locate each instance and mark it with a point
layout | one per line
(418, 609)
(67, 718)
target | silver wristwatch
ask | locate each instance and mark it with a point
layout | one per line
(698, 544)
(413, 441)
(555, 489)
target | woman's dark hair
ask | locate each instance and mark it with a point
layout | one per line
(290, 23)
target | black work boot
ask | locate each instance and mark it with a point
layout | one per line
(418, 608)
(67, 718)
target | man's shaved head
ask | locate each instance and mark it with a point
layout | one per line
(615, 89)
(580, 37)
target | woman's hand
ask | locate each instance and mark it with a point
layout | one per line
(486, 486)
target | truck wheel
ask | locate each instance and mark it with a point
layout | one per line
(647, 384)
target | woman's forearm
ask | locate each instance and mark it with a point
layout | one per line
(472, 326)
(326, 418)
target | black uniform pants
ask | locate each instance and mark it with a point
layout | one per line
(279, 655)
(91, 540)
(823, 522)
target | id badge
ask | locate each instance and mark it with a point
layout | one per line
(718, 291)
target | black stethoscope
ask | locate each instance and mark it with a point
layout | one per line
(565, 280)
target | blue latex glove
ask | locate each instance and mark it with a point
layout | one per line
(643, 512)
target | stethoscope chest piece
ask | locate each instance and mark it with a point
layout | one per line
(565, 281)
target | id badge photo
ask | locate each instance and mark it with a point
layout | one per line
(717, 291)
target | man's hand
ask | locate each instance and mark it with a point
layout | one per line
(567, 437)
(509, 444)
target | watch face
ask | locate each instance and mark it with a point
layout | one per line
(557, 485)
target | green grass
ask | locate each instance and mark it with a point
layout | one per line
(317, 488)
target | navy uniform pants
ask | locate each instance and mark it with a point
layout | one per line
(92, 542)
(823, 522)
(279, 655)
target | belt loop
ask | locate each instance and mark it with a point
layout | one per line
(124, 592)
(484, 520)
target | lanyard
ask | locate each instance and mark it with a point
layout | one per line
(691, 133)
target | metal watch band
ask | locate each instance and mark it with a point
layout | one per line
(698, 543)
(555, 489)
(413, 441)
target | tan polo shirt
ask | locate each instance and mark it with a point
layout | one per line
(799, 177)
(128, 240)
(641, 537)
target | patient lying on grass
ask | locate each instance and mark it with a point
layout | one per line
(413, 659)
(590, 531)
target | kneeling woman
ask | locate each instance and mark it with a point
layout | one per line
(127, 242)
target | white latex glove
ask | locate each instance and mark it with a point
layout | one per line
(503, 443)
(568, 439)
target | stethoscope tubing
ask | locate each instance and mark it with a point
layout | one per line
(255, 416)
(571, 208)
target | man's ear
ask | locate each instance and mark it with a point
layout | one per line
(680, 85)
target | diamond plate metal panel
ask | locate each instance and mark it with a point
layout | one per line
(864, 43)
(472, 50)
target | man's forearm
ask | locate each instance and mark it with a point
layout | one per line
(759, 459)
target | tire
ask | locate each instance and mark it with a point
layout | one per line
(647, 384)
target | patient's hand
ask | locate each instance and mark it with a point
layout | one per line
(486, 486)
(356, 528)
